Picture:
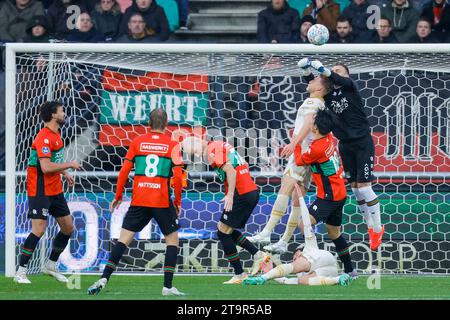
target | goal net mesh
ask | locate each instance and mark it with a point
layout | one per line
(250, 100)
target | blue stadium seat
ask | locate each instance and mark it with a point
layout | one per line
(171, 9)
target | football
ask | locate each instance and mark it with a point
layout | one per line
(318, 34)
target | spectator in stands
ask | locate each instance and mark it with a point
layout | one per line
(107, 17)
(404, 19)
(14, 17)
(438, 12)
(357, 14)
(138, 31)
(153, 15)
(305, 23)
(37, 30)
(384, 33)
(61, 18)
(85, 31)
(324, 12)
(183, 12)
(278, 23)
(424, 33)
(343, 32)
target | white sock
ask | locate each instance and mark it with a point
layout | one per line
(291, 281)
(280, 271)
(323, 281)
(291, 224)
(278, 210)
(363, 208)
(373, 206)
(22, 269)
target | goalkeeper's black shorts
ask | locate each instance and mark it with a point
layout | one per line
(138, 217)
(243, 206)
(358, 159)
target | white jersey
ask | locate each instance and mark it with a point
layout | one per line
(323, 263)
(310, 105)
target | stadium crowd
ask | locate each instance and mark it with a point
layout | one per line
(402, 21)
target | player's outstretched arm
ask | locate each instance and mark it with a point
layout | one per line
(336, 79)
(298, 139)
(51, 167)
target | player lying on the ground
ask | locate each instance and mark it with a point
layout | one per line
(45, 192)
(313, 266)
(241, 198)
(293, 174)
(356, 146)
(154, 157)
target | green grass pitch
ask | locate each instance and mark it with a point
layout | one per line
(211, 287)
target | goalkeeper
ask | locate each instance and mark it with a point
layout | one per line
(356, 146)
(319, 265)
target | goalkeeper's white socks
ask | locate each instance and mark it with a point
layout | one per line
(280, 271)
(278, 210)
(292, 223)
(373, 206)
(363, 208)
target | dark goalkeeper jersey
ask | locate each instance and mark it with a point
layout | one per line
(346, 104)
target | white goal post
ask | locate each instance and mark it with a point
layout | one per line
(393, 73)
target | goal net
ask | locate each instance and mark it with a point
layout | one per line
(247, 95)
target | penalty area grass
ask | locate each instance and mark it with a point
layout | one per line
(211, 288)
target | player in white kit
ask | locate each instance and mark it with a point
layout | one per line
(294, 174)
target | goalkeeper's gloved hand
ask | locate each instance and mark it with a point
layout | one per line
(305, 65)
(318, 66)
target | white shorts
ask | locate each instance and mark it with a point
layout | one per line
(323, 263)
(300, 173)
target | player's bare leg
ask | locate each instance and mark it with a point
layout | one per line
(59, 244)
(38, 227)
(371, 211)
(294, 217)
(125, 238)
(170, 262)
(278, 210)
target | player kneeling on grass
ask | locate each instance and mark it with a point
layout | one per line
(241, 198)
(154, 157)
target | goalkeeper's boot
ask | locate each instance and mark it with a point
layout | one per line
(254, 281)
(277, 247)
(237, 279)
(377, 238)
(172, 292)
(261, 260)
(50, 269)
(344, 280)
(97, 287)
(21, 276)
(353, 274)
(258, 238)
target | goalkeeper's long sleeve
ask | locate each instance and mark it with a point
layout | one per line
(177, 184)
(344, 82)
(122, 179)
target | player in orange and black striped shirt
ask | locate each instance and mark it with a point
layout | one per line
(331, 193)
(155, 158)
(45, 191)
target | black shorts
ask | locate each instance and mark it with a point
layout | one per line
(138, 217)
(327, 211)
(357, 159)
(243, 206)
(40, 207)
